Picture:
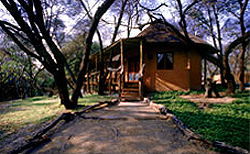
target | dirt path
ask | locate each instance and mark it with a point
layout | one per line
(130, 127)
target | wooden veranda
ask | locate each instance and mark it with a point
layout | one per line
(125, 76)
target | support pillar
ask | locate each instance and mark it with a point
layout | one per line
(122, 64)
(189, 69)
(205, 71)
(141, 63)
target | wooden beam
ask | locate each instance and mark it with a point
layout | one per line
(122, 62)
(141, 65)
(110, 82)
(205, 71)
(189, 69)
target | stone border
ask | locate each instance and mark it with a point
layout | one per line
(190, 134)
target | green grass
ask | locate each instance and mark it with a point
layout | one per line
(220, 122)
(19, 113)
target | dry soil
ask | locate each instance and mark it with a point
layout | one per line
(130, 128)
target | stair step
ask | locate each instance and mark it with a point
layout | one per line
(131, 85)
(130, 89)
(135, 95)
(131, 98)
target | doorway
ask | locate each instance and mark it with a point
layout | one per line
(133, 70)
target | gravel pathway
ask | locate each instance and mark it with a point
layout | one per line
(130, 127)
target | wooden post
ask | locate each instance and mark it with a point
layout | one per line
(110, 80)
(88, 83)
(114, 81)
(141, 63)
(189, 69)
(120, 86)
(122, 64)
(205, 71)
(92, 82)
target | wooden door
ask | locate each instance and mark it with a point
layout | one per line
(133, 71)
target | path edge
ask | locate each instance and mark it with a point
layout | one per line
(190, 134)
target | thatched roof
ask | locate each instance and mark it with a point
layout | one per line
(159, 32)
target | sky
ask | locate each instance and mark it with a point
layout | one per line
(93, 5)
(69, 22)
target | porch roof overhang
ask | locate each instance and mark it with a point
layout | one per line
(128, 43)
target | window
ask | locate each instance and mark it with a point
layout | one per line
(165, 61)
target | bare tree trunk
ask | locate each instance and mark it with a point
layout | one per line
(101, 75)
(100, 11)
(61, 83)
(211, 27)
(228, 76)
(220, 56)
(119, 20)
(243, 49)
(182, 22)
(227, 72)
(242, 68)
(101, 83)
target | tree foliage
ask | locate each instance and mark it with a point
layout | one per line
(19, 73)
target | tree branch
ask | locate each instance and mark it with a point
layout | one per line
(154, 9)
(189, 6)
(27, 51)
(235, 43)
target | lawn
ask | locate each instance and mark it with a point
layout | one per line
(20, 113)
(220, 122)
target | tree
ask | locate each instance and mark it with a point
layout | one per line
(204, 21)
(72, 51)
(242, 6)
(227, 72)
(101, 67)
(19, 74)
(33, 26)
(99, 13)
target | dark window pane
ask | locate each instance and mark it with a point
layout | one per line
(165, 61)
(169, 60)
(160, 61)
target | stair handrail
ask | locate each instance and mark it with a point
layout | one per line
(122, 69)
(120, 81)
(141, 71)
(114, 69)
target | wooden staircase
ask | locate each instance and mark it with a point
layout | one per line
(130, 91)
